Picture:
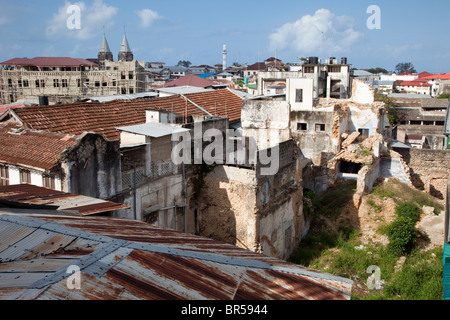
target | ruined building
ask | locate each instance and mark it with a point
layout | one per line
(51, 80)
(344, 139)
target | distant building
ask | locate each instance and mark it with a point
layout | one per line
(422, 122)
(405, 76)
(254, 69)
(383, 87)
(365, 76)
(416, 86)
(173, 72)
(63, 80)
(331, 80)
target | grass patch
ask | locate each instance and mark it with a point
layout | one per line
(403, 192)
(341, 253)
(420, 279)
(376, 207)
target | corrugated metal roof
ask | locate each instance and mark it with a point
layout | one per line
(124, 97)
(120, 260)
(154, 130)
(183, 90)
(25, 194)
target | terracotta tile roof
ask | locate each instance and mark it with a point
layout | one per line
(190, 80)
(49, 62)
(424, 74)
(78, 118)
(415, 84)
(223, 103)
(259, 66)
(441, 76)
(31, 148)
(11, 106)
(104, 118)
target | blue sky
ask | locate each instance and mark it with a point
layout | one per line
(172, 30)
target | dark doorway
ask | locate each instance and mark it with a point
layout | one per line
(350, 167)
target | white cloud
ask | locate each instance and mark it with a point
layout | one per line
(93, 18)
(148, 17)
(312, 34)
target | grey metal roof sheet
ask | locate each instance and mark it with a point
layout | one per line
(154, 130)
(183, 90)
(124, 97)
(30, 195)
(360, 73)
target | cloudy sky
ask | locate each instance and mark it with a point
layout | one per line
(414, 31)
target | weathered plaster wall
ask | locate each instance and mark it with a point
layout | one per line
(267, 122)
(307, 87)
(362, 92)
(165, 193)
(313, 143)
(260, 213)
(228, 207)
(93, 168)
(364, 118)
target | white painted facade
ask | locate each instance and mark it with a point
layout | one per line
(300, 100)
(395, 77)
(36, 175)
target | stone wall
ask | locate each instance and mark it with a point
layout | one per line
(430, 169)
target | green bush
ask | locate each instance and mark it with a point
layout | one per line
(408, 210)
(444, 96)
(401, 234)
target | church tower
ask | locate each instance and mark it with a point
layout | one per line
(125, 53)
(104, 54)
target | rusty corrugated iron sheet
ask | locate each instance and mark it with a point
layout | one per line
(33, 195)
(121, 260)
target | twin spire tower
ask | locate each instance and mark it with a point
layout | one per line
(105, 53)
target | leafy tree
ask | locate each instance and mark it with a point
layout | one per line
(184, 63)
(405, 67)
(377, 70)
(392, 112)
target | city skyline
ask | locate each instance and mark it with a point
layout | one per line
(174, 30)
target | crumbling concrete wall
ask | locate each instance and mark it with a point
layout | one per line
(164, 193)
(263, 213)
(321, 134)
(266, 122)
(362, 92)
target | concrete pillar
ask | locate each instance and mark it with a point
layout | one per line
(328, 87)
(316, 81)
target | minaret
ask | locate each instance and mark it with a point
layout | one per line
(125, 53)
(224, 57)
(104, 54)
